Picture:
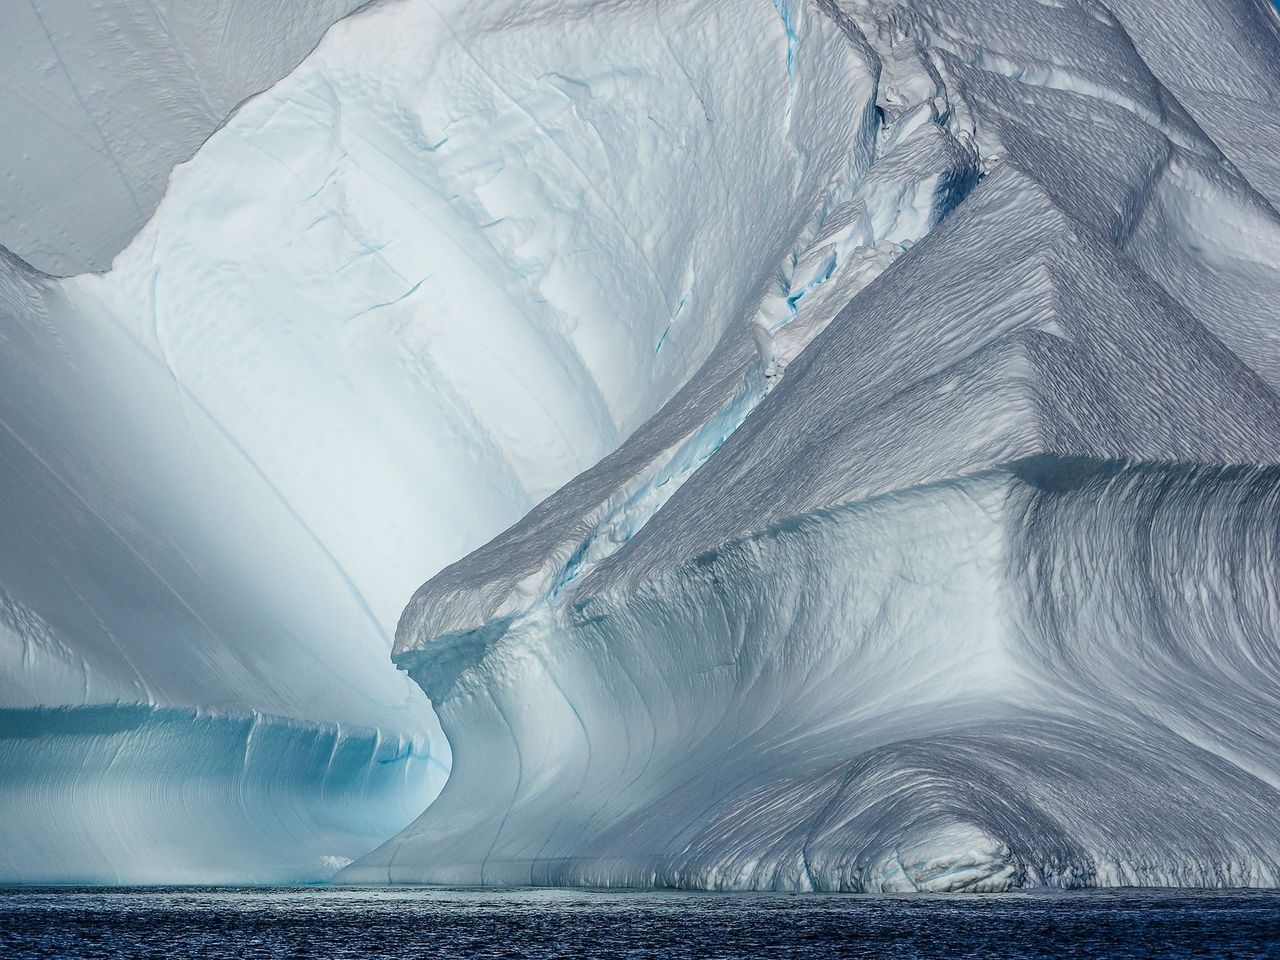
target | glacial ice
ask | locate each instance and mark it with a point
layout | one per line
(965, 578)
(100, 100)
(879, 398)
(395, 301)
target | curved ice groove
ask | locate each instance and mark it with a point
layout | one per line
(931, 770)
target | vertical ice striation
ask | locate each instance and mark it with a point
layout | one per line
(953, 568)
(888, 389)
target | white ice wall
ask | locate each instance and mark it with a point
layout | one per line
(974, 590)
(925, 353)
(455, 257)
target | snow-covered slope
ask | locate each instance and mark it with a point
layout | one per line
(954, 569)
(457, 256)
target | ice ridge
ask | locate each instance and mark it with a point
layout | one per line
(103, 99)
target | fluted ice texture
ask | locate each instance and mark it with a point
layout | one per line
(954, 566)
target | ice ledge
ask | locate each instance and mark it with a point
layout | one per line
(1062, 690)
(134, 794)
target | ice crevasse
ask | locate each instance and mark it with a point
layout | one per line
(887, 389)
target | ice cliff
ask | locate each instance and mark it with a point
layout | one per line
(396, 300)
(888, 390)
(965, 579)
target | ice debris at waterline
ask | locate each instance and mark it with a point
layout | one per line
(927, 357)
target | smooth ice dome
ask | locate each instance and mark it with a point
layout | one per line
(879, 399)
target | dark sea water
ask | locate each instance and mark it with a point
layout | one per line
(408, 923)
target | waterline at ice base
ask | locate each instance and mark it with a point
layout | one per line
(835, 445)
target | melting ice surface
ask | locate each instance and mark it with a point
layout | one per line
(879, 400)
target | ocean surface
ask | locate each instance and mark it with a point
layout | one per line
(411, 922)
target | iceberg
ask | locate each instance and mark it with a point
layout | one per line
(840, 440)
(390, 305)
(967, 584)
